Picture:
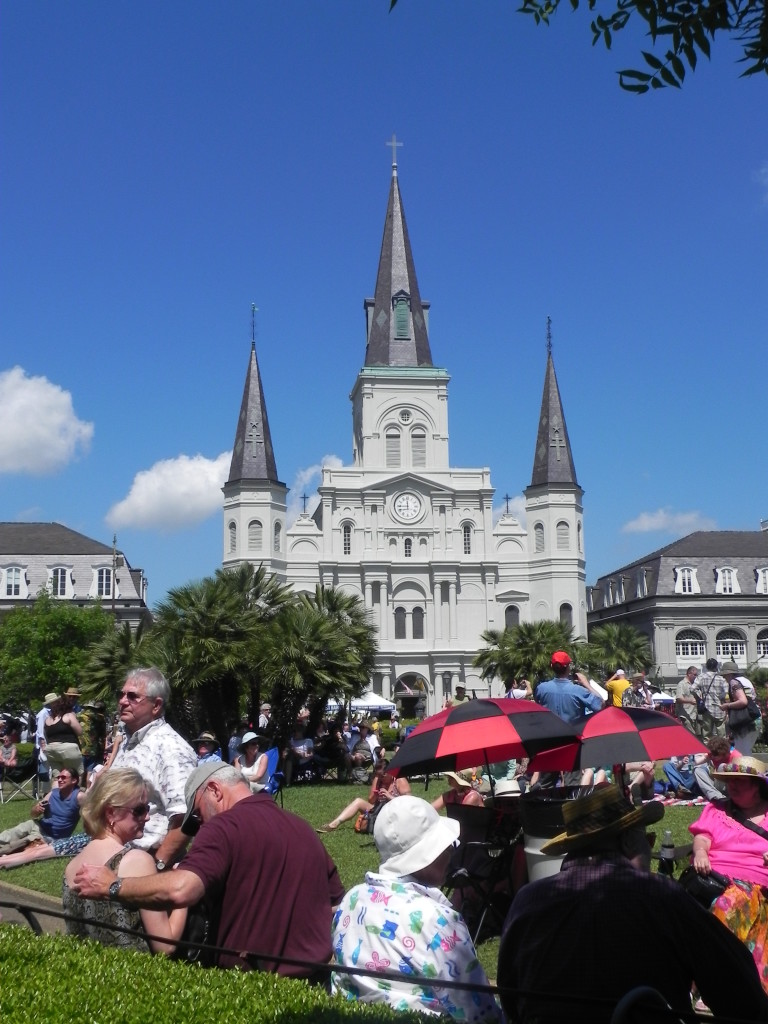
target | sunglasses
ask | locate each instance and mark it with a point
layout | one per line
(192, 824)
(132, 697)
(139, 811)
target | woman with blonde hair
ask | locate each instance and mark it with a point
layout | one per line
(114, 813)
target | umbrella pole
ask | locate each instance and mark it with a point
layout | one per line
(490, 777)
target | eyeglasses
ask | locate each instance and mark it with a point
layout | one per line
(139, 811)
(132, 697)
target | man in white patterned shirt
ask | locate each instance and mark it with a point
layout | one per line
(161, 756)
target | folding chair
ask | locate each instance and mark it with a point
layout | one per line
(481, 867)
(20, 780)
(275, 778)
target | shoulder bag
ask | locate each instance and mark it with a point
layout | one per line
(704, 888)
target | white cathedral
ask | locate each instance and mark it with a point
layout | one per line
(400, 527)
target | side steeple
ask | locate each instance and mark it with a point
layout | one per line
(396, 317)
(253, 457)
(553, 459)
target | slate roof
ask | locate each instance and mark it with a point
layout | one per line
(553, 458)
(253, 457)
(723, 545)
(47, 539)
(396, 274)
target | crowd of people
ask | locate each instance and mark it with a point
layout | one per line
(274, 900)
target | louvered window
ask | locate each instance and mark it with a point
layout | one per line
(402, 309)
(563, 536)
(232, 537)
(255, 535)
(419, 448)
(392, 442)
(538, 537)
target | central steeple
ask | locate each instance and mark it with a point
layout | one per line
(396, 317)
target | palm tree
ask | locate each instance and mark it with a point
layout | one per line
(110, 660)
(319, 647)
(524, 651)
(618, 645)
(206, 639)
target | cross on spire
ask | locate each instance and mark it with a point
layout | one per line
(254, 311)
(549, 339)
(393, 143)
(255, 437)
(557, 442)
(507, 499)
(305, 499)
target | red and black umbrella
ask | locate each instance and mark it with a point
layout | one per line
(482, 732)
(618, 735)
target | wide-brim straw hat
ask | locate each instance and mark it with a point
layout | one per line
(590, 820)
(463, 778)
(51, 698)
(745, 767)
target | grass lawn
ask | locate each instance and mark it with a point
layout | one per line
(353, 854)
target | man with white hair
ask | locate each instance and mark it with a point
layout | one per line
(398, 920)
(160, 755)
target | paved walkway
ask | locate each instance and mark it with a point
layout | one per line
(29, 897)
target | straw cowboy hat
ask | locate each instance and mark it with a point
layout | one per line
(745, 767)
(605, 813)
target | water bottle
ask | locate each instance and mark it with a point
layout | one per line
(667, 854)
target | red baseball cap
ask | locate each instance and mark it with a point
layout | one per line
(561, 658)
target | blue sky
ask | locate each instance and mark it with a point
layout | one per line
(166, 165)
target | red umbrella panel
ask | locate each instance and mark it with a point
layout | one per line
(618, 735)
(482, 732)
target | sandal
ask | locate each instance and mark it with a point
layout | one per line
(330, 827)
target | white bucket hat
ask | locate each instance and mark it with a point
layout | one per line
(410, 835)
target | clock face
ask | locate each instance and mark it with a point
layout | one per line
(407, 506)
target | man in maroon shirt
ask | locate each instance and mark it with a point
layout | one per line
(263, 868)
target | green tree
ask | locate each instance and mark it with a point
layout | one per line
(618, 645)
(110, 659)
(682, 29)
(524, 651)
(320, 646)
(206, 638)
(45, 647)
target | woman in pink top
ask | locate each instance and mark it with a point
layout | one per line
(733, 840)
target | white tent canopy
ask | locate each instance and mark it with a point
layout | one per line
(369, 701)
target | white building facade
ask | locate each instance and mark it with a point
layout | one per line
(401, 528)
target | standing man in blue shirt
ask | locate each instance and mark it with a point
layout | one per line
(568, 700)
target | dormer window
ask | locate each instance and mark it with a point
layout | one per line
(401, 307)
(761, 581)
(686, 581)
(726, 581)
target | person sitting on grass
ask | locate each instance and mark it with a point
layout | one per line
(462, 791)
(54, 817)
(384, 787)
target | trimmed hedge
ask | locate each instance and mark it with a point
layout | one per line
(58, 980)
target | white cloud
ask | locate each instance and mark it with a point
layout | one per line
(516, 509)
(306, 482)
(41, 432)
(173, 494)
(666, 520)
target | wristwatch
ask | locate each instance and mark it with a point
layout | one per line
(114, 889)
(160, 865)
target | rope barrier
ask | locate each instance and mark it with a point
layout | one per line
(256, 959)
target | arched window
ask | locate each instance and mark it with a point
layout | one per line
(563, 534)
(730, 644)
(538, 537)
(232, 537)
(408, 547)
(13, 582)
(467, 534)
(566, 615)
(690, 644)
(511, 616)
(419, 448)
(58, 582)
(762, 643)
(727, 580)
(278, 537)
(399, 623)
(579, 534)
(686, 581)
(104, 583)
(346, 535)
(255, 535)
(418, 623)
(392, 448)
